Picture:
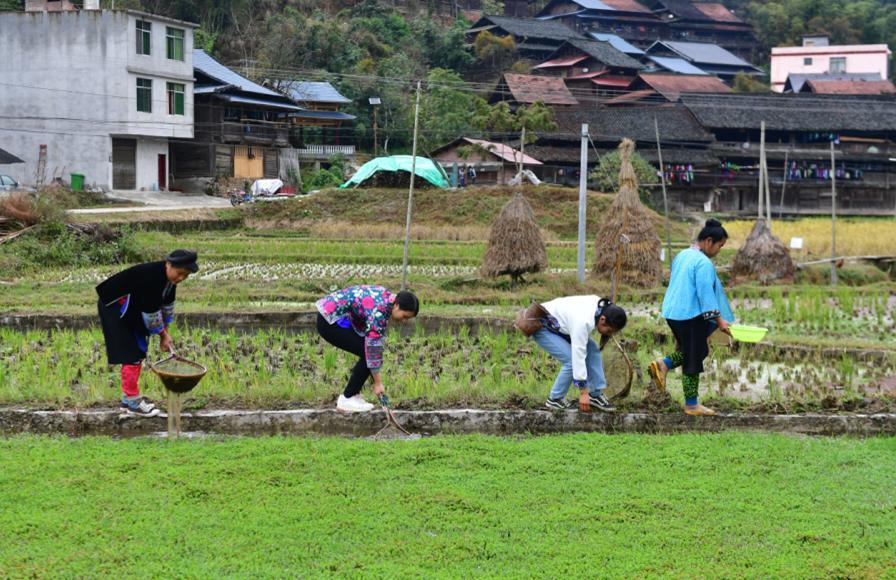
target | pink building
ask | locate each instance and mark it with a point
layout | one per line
(816, 56)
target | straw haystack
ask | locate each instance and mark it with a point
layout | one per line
(763, 257)
(626, 238)
(515, 246)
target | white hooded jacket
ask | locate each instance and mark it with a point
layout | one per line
(575, 315)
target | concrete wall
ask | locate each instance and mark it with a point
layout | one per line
(148, 151)
(871, 58)
(68, 80)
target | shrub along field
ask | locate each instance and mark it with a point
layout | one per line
(732, 505)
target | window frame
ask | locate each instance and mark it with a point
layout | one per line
(140, 88)
(172, 36)
(144, 37)
(807, 61)
(841, 65)
(175, 90)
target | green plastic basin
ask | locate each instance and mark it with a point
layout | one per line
(744, 333)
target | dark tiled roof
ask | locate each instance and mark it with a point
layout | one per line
(528, 27)
(683, 9)
(612, 124)
(701, 53)
(795, 81)
(605, 53)
(208, 66)
(717, 12)
(569, 155)
(7, 158)
(793, 112)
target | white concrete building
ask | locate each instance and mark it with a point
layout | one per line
(103, 90)
(816, 56)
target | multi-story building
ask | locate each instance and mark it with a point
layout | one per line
(817, 56)
(96, 92)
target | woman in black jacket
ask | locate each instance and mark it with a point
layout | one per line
(134, 305)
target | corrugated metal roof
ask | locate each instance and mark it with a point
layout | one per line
(314, 92)
(618, 43)
(503, 151)
(795, 81)
(328, 115)
(7, 158)
(677, 65)
(717, 12)
(851, 87)
(561, 62)
(260, 102)
(672, 86)
(593, 5)
(532, 88)
(214, 69)
(702, 53)
(627, 6)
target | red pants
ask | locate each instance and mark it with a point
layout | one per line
(130, 375)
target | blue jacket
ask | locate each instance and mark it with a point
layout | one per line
(695, 289)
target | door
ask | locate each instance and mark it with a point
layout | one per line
(124, 164)
(163, 172)
(248, 162)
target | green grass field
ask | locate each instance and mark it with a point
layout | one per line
(729, 506)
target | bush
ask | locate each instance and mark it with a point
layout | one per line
(55, 244)
(606, 175)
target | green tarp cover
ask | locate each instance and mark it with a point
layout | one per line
(426, 169)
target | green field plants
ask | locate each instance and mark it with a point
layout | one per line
(579, 506)
(276, 369)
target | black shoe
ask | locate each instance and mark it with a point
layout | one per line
(557, 404)
(601, 403)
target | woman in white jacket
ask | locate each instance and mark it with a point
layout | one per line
(566, 336)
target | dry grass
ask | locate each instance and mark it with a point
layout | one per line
(855, 237)
(627, 240)
(763, 257)
(515, 246)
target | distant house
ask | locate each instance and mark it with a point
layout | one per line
(659, 87)
(320, 126)
(626, 19)
(848, 87)
(816, 56)
(685, 142)
(796, 81)
(519, 89)
(495, 163)
(706, 22)
(102, 92)
(674, 64)
(592, 66)
(800, 129)
(535, 39)
(618, 43)
(707, 57)
(240, 126)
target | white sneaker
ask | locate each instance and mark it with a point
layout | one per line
(361, 400)
(354, 404)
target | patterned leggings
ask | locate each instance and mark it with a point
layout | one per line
(690, 383)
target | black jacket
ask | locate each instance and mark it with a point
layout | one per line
(147, 292)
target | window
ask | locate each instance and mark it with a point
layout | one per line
(144, 37)
(144, 95)
(807, 61)
(175, 99)
(175, 43)
(838, 64)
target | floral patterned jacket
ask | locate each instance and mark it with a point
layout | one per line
(367, 310)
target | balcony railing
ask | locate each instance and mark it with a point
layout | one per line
(258, 133)
(324, 152)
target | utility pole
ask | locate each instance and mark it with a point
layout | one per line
(583, 201)
(659, 152)
(761, 170)
(833, 217)
(407, 230)
(522, 152)
(783, 186)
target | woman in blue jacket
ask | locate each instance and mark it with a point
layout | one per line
(695, 306)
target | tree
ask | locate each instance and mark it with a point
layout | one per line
(444, 108)
(606, 174)
(744, 83)
(494, 52)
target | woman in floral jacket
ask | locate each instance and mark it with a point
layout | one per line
(354, 319)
